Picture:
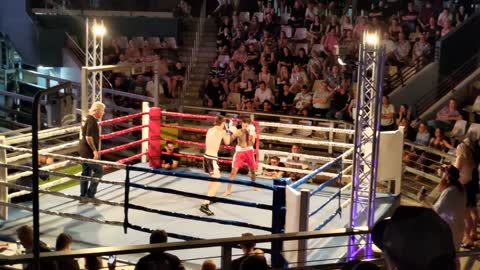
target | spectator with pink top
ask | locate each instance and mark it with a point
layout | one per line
(446, 117)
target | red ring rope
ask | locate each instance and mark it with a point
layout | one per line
(194, 116)
(121, 132)
(199, 130)
(122, 147)
(221, 160)
(121, 119)
(195, 143)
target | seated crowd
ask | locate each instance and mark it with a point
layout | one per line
(287, 62)
(120, 50)
(251, 258)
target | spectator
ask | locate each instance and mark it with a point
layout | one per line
(447, 27)
(310, 13)
(262, 94)
(446, 117)
(339, 104)
(159, 259)
(422, 138)
(209, 265)
(285, 99)
(169, 156)
(267, 107)
(465, 162)
(283, 78)
(215, 95)
(415, 238)
(248, 250)
(410, 17)
(266, 77)
(389, 46)
(25, 235)
(433, 31)
(415, 35)
(297, 15)
(403, 113)
(296, 162)
(425, 14)
(285, 59)
(421, 50)
(240, 55)
(460, 16)
(402, 50)
(314, 31)
(335, 78)
(387, 121)
(303, 101)
(330, 42)
(268, 58)
(408, 132)
(28, 180)
(64, 243)
(444, 17)
(321, 100)
(248, 93)
(254, 262)
(316, 66)
(360, 26)
(275, 173)
(93, 263)
(395, 29)
(298, 78)
(301, 59)
(450, 206)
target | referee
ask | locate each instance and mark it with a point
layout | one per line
(89, 147)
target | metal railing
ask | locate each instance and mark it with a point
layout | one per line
(448, 84)
(398, 79)
(194, 51)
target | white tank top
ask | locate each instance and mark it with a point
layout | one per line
(213, 140)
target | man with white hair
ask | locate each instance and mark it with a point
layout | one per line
(89, 147)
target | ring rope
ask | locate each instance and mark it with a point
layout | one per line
(121, 119)
(67, 215)
(134, 157)
(194, 116)
(202, 177)
(64, 157)
(121, 132)
(54, 166)
(199, 218)
(220, 160)
(324, 223)
(122, 147)
(320, 158)
(293, 170)
(305, 141)
(324, 184)
(178, 141)
(331, 198)
(203, 197)
(44, 186)
(47, 150)
(48, 134)
(295, 126)
(192, 129)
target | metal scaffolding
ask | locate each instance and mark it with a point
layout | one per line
(94, 32)
(367, 138)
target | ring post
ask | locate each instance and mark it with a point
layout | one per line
(144, 148)
(3, 179)
(278, 222)
(303, 226)
(154, 137)
(35, 172)
(127, 198)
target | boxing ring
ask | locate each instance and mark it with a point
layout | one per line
(138, 197)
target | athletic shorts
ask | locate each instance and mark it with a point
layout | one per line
(210, 165)
(242, 158)
(471, 193)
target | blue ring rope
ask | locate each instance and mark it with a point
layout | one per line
(337, 194)
(203, 197)
(324, 184)
(203, 177)
(319, 227)
(193, 217)
(173, 235)
(309, 176)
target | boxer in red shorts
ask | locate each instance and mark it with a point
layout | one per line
(244, 153)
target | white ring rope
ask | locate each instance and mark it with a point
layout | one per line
(60, 194)
(304, 141)
(64, 157)
(67, 215)
(47, 134)
(294, 126)
(46, 150)
(301, 171)
(53, 166)
(310, 157)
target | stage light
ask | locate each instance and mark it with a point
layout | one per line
(99, 30)
(371, 39)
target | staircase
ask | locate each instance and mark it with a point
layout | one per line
(207, 52)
